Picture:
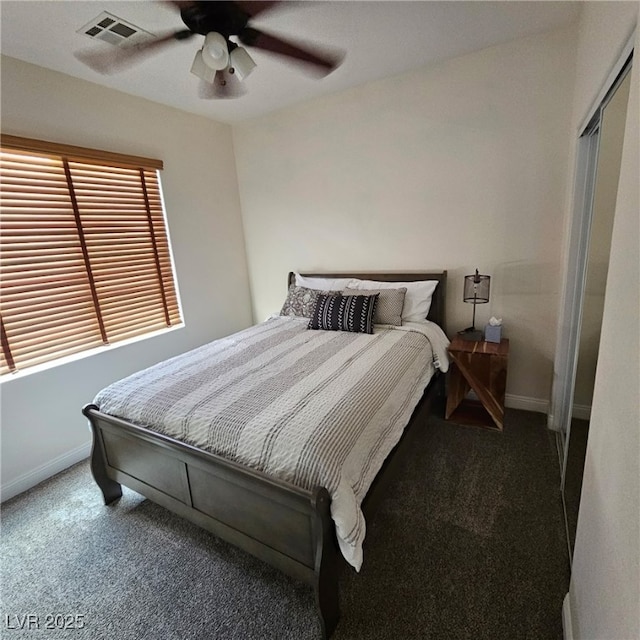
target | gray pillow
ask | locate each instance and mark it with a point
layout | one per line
(389, 305)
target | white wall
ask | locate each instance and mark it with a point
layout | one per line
(42, 427)
(604, 598)
(456, 166)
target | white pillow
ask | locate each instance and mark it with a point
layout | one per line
(323, 284)
(417, 301)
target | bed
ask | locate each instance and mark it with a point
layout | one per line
(296, 523)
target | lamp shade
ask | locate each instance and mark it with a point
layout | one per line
(200, 69)
(476, 288)
(241, 62)
(215, 52)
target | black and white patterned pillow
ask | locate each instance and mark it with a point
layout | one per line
(389, 305)
(336, 312)
(300, 301)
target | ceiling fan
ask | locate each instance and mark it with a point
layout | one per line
(221, 64)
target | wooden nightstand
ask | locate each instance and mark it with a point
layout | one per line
(481, 366)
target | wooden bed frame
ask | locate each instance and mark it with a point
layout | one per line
(288, 527)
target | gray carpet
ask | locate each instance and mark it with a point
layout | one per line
(469, 544)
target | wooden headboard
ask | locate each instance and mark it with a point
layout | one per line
(437, 310)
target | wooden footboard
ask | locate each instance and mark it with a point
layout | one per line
(286, 526)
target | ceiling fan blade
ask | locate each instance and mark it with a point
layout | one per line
(323, 60)
(115, 59)
(255, 8)
(179, 4)
(225, 86)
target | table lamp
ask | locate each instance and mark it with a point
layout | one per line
(476, 291)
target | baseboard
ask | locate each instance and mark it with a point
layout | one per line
(526, 403)
(581, 412)
(44, 472)
(567, 625)
(521, 402)
(538, 405)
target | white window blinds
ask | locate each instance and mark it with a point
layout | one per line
(84, 251)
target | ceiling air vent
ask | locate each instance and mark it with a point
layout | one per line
(114, 30)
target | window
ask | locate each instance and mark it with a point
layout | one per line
(84, 251)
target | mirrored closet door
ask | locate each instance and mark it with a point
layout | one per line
(606, 132)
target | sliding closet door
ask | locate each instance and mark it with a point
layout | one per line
(606, 189)
(609, 126)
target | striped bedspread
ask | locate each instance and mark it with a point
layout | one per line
(313, 408)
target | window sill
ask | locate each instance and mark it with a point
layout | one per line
(9, 377)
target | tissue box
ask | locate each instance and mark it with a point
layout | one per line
(493, 333)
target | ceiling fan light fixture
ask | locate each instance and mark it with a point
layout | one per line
(202, 70)
(241, 62)
(215, 52)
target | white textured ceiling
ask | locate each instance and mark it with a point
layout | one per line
(380, 39)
